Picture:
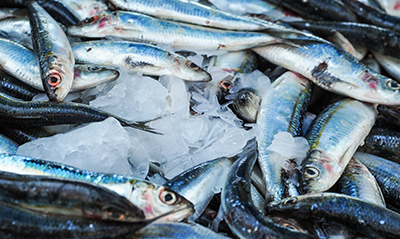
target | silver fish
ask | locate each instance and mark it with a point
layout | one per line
(138, 57)
(334, 136)
(7, 145)
(181, 36)
(334, 70)
(53, 51)
(86, 8)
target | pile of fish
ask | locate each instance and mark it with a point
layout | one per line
(310, 89)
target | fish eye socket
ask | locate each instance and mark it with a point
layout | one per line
(226, 84)
(54, 80)
(392, 84)
(93, 68)
(191, 65)
(89, 20)
(311, 172)
(168, 197)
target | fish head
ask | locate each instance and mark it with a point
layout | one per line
(288, 206)
(58, 78)
(246, 105)
(157, 200)
(96, 26)
(381, 89)
(317, 172)
(86, 76)
(189, 71)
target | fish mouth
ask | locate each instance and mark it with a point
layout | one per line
(179, 214)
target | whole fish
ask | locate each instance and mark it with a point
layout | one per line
(334, 70)
(334, 136)
(372, 15)
(138, 57)
(197, 184)
(384, 143)
(190, 12)
(387, 174)
(181, 36)
(53, 52)
(366, 218)
(273, 118)
(152, 199)
(175, 230)
(357, 181)
(66, 198)
(41, 113)
(239, 212)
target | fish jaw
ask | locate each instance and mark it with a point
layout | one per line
(317, 170)
(97, 26)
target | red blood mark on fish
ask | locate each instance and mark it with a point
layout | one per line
(372, 85)
(370, 80)
(102, 22)
(396, 6)
(329, 168)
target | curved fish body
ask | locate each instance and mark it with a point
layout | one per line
(152, 199)
(334, 70)
(7, 145)
(384, 143)
(16, 88)
(366, 218)
(86, 8)
(43, 113)
(357, 181)
(372, 37)
(373, 16)
(181, 36)
(197, 184)
(334, 136)
(189, 12)
(387, 174)
(138, 57)
(282, 109)
(241, 215)
(53, 52)
(53, 196)
(176, 231)
(17, 223)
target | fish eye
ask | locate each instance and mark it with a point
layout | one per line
(226, 84)
(392, 84)
(167, 197)
(54, 79)
(191, 65)
(311, 172)
(93, 68)
(89, 20)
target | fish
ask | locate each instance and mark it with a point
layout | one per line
(236, 61)
(246, 105)
(88, 76)
(386, 174)
(366, 218)
(23, 135)
(53, 52)
(16, 88)
(154, 200)
(392, 113)
(241, 215)
(60, 11)
(357, 181)
(137, 57)
(138, 27)
(189, 12)
(293, 93)
(334, 136)
(43, 113)
(66, 198)
(7, 145)
(390, 64)
(17, 29)
(197, 184)
(334, 70)
(86, 8)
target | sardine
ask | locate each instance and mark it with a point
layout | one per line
(386, 173)
(239, 212)
(87, 76)
(60, 11)
(197, 184)
(334, 70)
(138, 57)
(366, 218)
(181, 36)
(66, 198)
(236, 62)
(53, 52)
(16, 88)
(334, 136)
(392, 113)
(152, 199)
(390, 64)
(23, 135)
(292, 92)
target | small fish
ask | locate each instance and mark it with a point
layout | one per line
(334, 136)
(152, 199)
(137, 57)
(66, 198)
(53, 52)
(334, 70)
(366, 218)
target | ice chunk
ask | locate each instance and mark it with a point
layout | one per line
(100, 146)
(255, 80)
(178, 95)
(133, 97)
(290, 147)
